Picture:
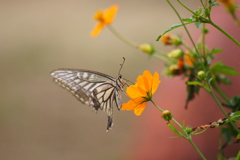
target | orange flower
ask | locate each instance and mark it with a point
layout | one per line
(227, 3)
(180, 63)
(189, 60)
(168, 39)
(104, 18)
(230, 5)
(141, 92)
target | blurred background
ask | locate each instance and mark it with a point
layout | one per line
(39, 120)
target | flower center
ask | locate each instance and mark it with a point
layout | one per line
(148, 97)
(98, 16)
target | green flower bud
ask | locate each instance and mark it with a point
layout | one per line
(205, 30)
(177, 41)
(147, 48)
(167, 115)
(201, 75)
(173, 70)
(188, 130)
(177, 53)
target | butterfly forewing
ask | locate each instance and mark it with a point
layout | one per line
(92, 88)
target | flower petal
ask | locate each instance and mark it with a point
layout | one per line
(148, 80)
(133, 92)
(155, 82)
(139, 109)
(97, 29)
(142, 84)
(133, 103)
(130, 105)
(98, 16)
(188, 60)
(109, 14)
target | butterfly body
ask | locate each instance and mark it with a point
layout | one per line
(92, 88)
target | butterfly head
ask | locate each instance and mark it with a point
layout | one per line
(120, 82)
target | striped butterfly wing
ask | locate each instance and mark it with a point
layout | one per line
(92, 88)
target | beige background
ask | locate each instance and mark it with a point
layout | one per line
(39, 120)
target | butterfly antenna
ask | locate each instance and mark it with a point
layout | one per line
(121, 65)
(128, 82)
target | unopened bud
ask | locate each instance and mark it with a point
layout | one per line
(205, 30)
(147, 48)
(168, 39)
(167, 115)
(173, 70)
(177, 53)
(201, 75)
(188, 130)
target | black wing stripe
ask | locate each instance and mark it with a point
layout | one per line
(92, 88)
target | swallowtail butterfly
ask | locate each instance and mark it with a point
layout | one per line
(92, 88)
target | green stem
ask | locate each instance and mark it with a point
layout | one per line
(185, 7)
(161, 57)
(204, 40)
(156, 106)
(221, 108)
(163, 110)
(203, 4)
(188, 137)
(220, 150)
(219, 91)
(157, 54)
(196, 148)
(187, 47)
(225, 33)
(122, 38)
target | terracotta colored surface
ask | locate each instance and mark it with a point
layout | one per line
(153, 140)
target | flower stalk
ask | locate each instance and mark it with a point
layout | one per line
(121, 37)
(186, 136)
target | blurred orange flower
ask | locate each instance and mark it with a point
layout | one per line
(227, 3)
(141, 92)
(230, 5)
(180, 63)
(189, 59)
(103, 18)
(168, 39)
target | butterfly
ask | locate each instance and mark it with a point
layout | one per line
(92, 88)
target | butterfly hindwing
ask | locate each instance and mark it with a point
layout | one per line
(92, 88)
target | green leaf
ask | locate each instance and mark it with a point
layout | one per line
(235, 116)
(223, 79)
(196, 133)
(198, 24)
(173, 27)
(192, 89)
(189, 20)
(221, 68)
(234, 103)
(174, 129)
(238, 155)
(212, 3)
(215, 51)
(227, 132)
(207, 12)
(194, 83)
